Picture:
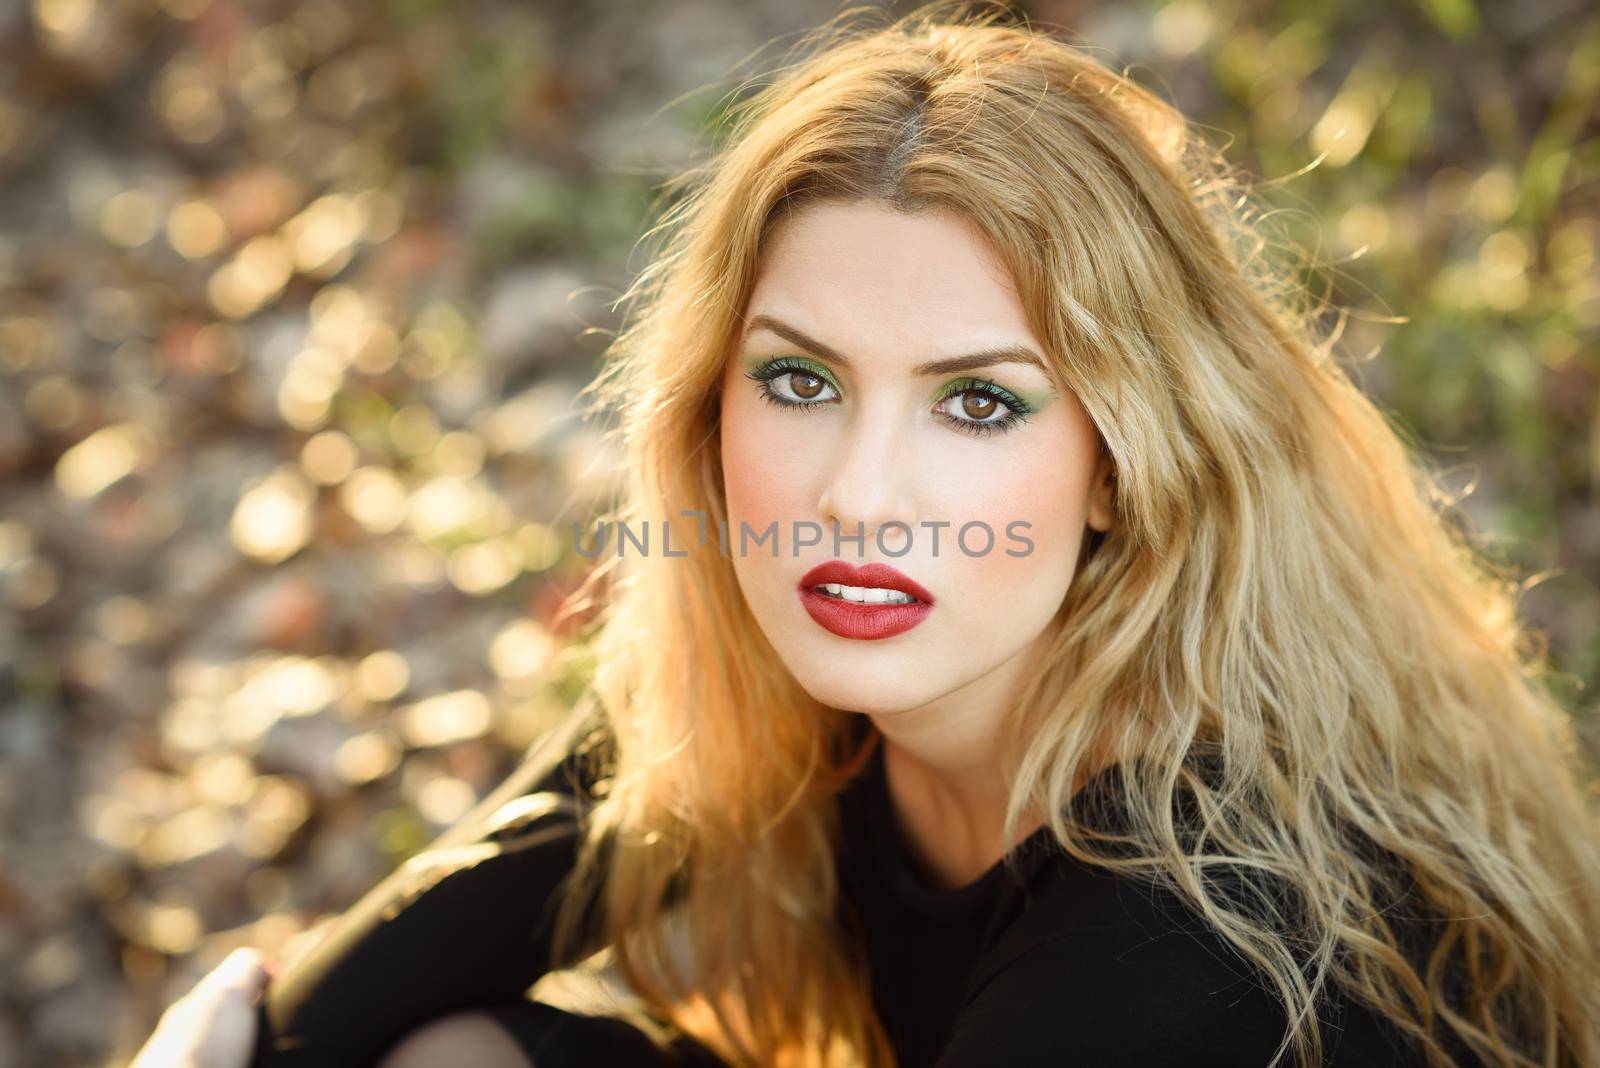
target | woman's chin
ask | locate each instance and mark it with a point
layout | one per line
(886, 697)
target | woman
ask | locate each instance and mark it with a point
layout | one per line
(1180, 730)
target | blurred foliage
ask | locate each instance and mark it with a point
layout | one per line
(296, 297)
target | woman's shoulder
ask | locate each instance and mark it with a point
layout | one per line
(1100, 967)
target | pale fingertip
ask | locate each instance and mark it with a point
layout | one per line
(243, 967)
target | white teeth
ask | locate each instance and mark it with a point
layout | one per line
(867, 594)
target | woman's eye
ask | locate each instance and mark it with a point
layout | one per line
(799, 387)
(804, 386)
(975, 406)
(982, 409)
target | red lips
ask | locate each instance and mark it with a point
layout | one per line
(852, 619)
(881, 576)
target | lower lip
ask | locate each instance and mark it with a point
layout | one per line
(863, 622)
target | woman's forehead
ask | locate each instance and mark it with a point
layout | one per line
(867, 281)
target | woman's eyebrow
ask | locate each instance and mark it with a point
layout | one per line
(949, 365)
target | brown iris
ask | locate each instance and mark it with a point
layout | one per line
(977, 405)
(797, 377)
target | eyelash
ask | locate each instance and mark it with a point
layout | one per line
(764, 375)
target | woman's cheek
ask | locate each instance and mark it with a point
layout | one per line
(768, 471)
(756, 497)
(988, 490)
(1032, 520)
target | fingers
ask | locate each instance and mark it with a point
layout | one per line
(242, 971)
(242, 975)
(213, 1025)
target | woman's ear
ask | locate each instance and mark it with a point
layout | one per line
(1103, 493)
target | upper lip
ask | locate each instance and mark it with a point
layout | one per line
(880, 576)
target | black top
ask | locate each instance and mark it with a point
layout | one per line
(1049, 961)
(1045, 961)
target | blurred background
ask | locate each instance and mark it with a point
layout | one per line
(295, 299)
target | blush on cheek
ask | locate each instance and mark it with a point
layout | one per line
(1050, 498)
(1035, 508)
(772, 467)
(1020, 582)
(759, 494)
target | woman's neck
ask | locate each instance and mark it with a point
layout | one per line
(950, 817)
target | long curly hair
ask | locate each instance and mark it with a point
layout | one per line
(1311, 675)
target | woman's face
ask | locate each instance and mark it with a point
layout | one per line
(850, 431)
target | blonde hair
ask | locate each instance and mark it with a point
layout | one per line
(1281, 599)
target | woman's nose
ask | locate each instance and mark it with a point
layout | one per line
(869, 488)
